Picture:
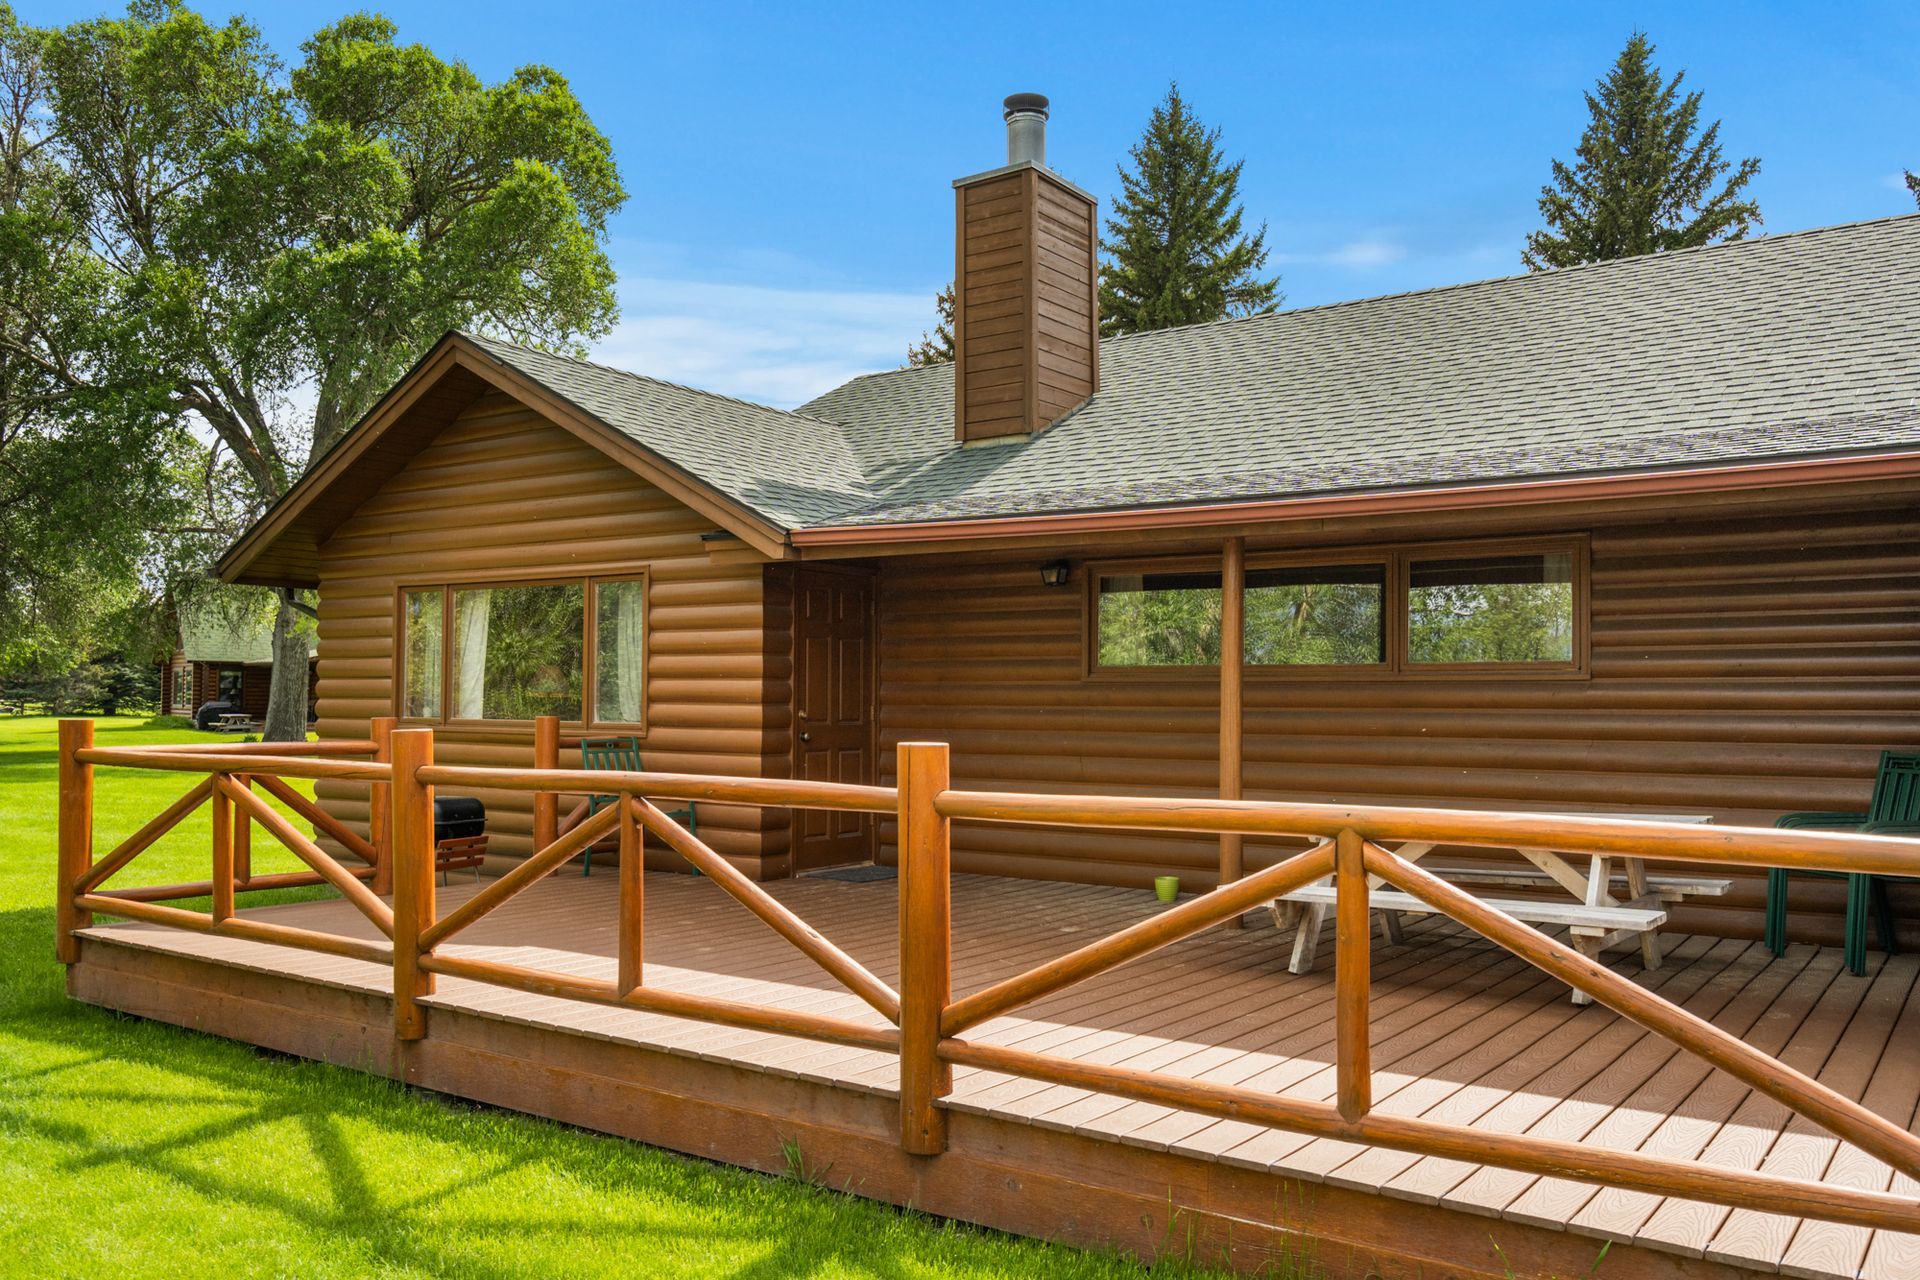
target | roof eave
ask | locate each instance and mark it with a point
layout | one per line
(902, 537)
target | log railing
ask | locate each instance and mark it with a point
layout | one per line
(1349, 844)
(924, 1024)
(232, 772)
(631, 813)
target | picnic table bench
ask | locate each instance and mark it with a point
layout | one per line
(1597, 919)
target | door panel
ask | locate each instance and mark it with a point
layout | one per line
(833, 709)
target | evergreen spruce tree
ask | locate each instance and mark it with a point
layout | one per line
(1646, 176)
(1913, 185)
(935, 347)
(1175, 251)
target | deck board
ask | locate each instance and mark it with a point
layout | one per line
(1462, 1032)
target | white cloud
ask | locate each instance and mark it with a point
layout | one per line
(1367, 253)
(1363, 254)
(776, 345)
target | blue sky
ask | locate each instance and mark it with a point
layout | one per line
(790, 166)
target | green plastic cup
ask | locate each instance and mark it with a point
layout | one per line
(1166, 888)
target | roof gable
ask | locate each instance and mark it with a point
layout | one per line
(282, 546)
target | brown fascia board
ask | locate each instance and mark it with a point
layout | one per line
(456, 351)
(901, 539)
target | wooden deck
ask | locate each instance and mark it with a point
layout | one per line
(1462, 1032)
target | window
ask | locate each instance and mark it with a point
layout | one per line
(1159, 620)
(233, 683)
(514, 651)
(1433, 610)
(1317, 616)
(425, 645)
(1505, 608)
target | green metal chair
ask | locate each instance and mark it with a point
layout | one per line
(1893, 811)
(622, 755)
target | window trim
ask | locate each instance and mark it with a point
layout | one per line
(1397, 560)
(587, 723)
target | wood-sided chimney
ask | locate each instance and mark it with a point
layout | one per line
(1026, 315)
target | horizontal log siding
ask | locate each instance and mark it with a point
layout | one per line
(503, 491)
(1742, 668)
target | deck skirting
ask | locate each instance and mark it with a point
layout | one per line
(998, 1172)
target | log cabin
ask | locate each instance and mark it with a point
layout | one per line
(1636, 538)
(1706, 460)
(224, 660)
(1709, 459)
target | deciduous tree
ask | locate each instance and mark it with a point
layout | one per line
(287, 244)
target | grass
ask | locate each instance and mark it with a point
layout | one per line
(128, 1147)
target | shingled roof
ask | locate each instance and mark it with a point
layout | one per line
(1789, 346)
(1792, 345)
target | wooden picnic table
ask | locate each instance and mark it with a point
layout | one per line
(1598, 918)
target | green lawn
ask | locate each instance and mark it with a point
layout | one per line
(131, 1148)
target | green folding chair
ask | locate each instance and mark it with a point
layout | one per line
(1893, 811)
(622, 755)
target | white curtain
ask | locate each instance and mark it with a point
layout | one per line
(632, 655)
(472, 610)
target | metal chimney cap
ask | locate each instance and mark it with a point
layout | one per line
(1025, 104)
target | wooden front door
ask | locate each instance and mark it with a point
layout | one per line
(832, 709)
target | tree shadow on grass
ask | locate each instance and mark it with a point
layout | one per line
(371, 1175)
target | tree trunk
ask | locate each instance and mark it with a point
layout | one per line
(287, 696)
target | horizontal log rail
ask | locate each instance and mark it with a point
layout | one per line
(1639, 838)
(326, 747)
(206, 759)
(775, 793)
(241, 884)
(925, 1024)
(751, 1017)
(239, 927)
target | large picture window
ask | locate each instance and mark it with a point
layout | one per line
(1398, 611)
(513, 651)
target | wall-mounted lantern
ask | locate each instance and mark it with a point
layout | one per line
(1054, 573)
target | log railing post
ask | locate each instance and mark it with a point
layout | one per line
(546, 804)
(225, 844)
(926, 945)
(633, 888)
(1353, 938)
(76, 836)
(413, 897)
(380, 806)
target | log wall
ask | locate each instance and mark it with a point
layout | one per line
(503, 492)
(1742, 666)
